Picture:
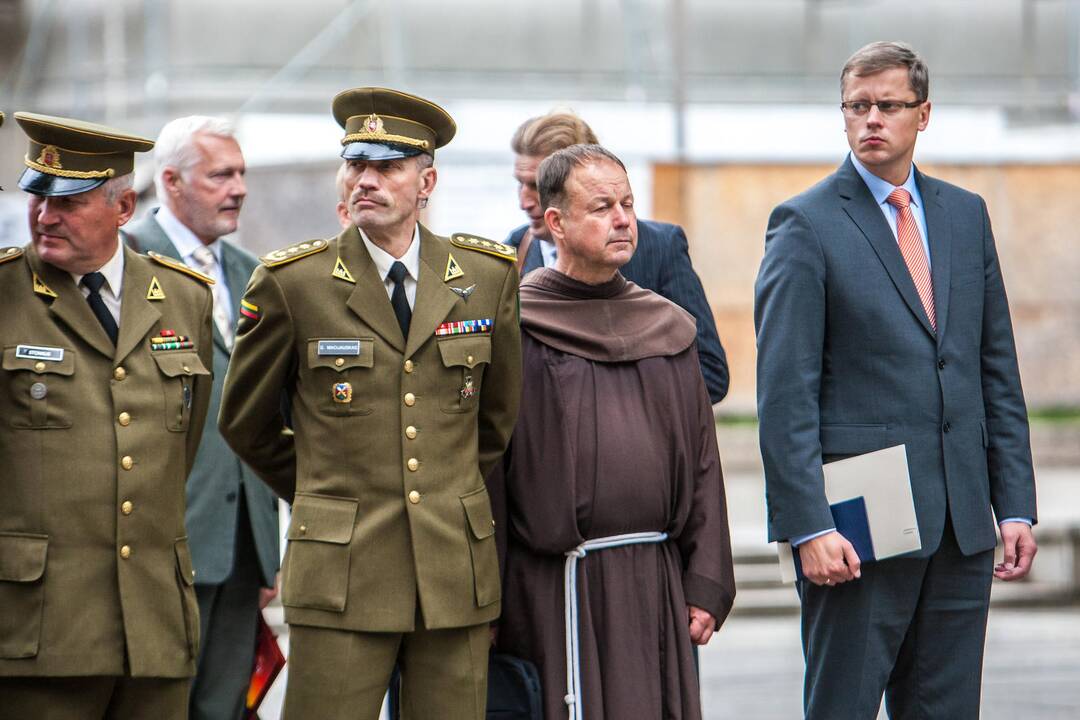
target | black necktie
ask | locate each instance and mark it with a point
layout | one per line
(398, 300)
(93, 282)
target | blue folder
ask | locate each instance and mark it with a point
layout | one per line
(851, 521)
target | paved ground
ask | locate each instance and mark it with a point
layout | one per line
(753, 669)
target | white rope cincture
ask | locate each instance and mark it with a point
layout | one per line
(573, 651)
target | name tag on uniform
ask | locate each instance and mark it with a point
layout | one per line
(39, 352)
(339, 347)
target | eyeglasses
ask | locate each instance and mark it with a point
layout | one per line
(858, 108)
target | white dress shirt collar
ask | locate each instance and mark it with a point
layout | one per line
(383, 260)
(113, 270)
(185, 241)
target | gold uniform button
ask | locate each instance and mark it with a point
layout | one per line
(410, 399)
(409, 366)
(125, 552)
(127, 462)
(126, 507)
(119, 373)
(413, 464)
(186, 369)
(124, 419)
(303, 529)
(39, 366)
(414, 497)
(339, 362)
(469, 359)
(410, 432)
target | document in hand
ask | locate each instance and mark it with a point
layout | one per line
(871, 503)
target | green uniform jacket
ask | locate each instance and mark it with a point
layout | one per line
(95, 446)
(390, 507)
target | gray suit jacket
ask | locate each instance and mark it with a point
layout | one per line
(848, 362)
(218, 478)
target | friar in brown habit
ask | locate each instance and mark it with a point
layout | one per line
(612, 491)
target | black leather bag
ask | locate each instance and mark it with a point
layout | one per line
(513, 689)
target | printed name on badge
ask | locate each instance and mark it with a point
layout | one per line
(339, 347)
(39, 352)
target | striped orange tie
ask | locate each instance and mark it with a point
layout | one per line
(911, 247)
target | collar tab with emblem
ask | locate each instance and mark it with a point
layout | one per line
(293, 252)
(154, 292)
(472, 242)
(342, 273)
(179, 267)
(41, 288)
(453, 270)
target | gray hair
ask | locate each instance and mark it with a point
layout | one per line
(554, 171)
(880, 56)
(175, 147)
(115, 187)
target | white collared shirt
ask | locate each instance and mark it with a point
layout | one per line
(383, 260)
(548, 252)
(186, 243)
(111, 291)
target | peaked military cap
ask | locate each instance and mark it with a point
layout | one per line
(67, 156)
(382, 124)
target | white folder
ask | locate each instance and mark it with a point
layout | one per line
(881, 478)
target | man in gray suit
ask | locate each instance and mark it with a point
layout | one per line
(882, 320)
(231, 515)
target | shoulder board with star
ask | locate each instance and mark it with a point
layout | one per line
(471, 242)
(9, 253)
(293, 252)
(179, 267)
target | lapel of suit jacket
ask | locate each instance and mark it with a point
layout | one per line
(939, 235)
(237, 276)
(534, 257)
(368, 299)
(69, 305)
(137, 314)
(434, 299)
(860, 206)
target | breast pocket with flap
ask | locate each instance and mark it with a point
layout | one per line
(178, 370)
(341, 373)
(41, 387)
(464, 358)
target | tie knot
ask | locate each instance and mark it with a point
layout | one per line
(397, 272)
(93, 281)
(204, 256)
(899, 198)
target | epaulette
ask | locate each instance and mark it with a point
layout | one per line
(471, 242)
(179, 267)
(9, 253)
(293, 252)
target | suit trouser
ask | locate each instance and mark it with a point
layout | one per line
(343, 674)
(911, 628)
(228, 620)
(93, 698)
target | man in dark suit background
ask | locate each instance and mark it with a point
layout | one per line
(661, 262)
(231, 515)
(882, 320)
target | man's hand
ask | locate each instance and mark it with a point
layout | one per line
(1020, 549)
(829, 559)
(268, 594)
(702, 625)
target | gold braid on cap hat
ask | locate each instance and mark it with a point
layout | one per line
(380, 135)
(57, 170)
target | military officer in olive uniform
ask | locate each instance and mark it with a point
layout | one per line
(104, 393)
(401, 352)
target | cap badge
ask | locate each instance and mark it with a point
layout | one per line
(50, 157)
(374, 124)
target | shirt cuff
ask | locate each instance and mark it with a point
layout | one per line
(797, 541)
(1026, 521)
